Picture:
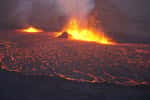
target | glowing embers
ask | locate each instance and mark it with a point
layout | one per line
(31, 29)
(77, 32)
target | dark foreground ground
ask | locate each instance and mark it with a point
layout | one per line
(40, 67)
(15, 86)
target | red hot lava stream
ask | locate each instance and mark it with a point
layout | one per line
(79, 61)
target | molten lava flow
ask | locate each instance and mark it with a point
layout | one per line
(31, 29)
(78, 33)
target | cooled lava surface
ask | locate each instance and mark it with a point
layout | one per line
(126, 64)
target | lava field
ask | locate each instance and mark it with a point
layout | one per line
(125, 64)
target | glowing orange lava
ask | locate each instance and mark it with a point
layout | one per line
(31, 29)
(84, 34)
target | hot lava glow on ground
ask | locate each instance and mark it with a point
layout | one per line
(78, 32)
(31, 29)
(72, 60)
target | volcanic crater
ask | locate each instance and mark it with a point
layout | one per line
(125, 64)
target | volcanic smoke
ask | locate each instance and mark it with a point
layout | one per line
(76, 8)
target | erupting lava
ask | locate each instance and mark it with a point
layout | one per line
(31, 29)
(77, 32)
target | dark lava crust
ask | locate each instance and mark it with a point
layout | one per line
(125, 64)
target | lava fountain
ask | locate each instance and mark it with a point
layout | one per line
(78, 32)
(31, 29)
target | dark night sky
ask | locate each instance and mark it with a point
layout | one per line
(139, 12)
(14, 12)
(134, 8)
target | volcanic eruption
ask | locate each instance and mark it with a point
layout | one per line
(78, 27)
(77, 32)
(30, 30)
(73, 60)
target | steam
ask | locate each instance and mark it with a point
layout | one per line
(76, 8)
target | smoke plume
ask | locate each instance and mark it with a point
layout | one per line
(76, 8)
